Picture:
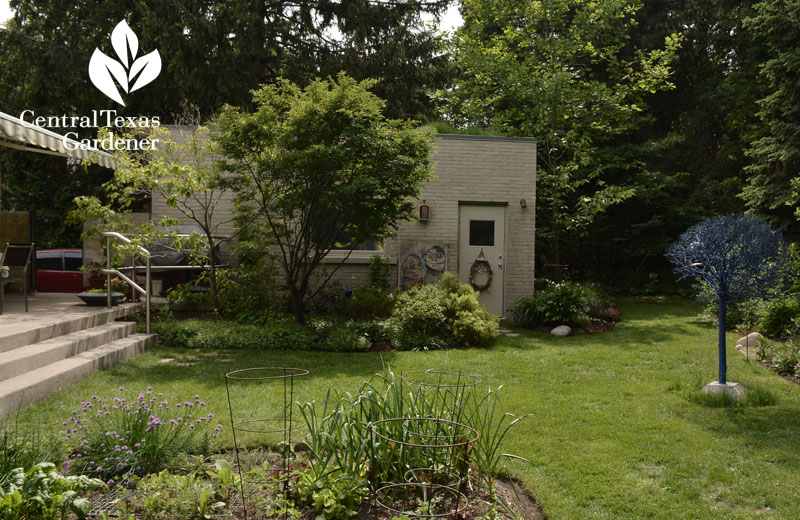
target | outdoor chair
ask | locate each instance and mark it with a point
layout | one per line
(17, 258)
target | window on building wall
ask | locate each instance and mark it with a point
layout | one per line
(346, 240)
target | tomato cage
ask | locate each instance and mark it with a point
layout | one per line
(264, 467)
(419, 466)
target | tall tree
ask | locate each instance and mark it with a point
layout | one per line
(691, 147)
(214, 52)
(321, 168)
(563, 72)
(776, 155)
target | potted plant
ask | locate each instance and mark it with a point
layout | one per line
(97, 280)
(97, 297)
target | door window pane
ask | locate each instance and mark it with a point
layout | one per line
(481, 232)
(73, 261)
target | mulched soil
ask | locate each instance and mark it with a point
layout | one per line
(606, 320)
(521, 503)
(770, 366)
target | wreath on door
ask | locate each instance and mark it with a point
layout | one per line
(480, 274)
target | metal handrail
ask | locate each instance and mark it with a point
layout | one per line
(134, 286)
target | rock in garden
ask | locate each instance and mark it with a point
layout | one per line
(561, 330)
(750, 340)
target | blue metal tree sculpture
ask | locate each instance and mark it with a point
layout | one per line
(736, 255)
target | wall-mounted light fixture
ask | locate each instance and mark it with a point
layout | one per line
(523, 203)
(424, 211)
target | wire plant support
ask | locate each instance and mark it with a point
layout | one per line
(432, 448)
(282, 425)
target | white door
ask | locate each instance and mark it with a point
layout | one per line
(481, 252)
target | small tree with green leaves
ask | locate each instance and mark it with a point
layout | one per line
(183, 171)
(321, 168)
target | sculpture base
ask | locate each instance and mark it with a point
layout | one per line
(734, 390)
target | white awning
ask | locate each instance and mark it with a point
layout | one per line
(19, 135)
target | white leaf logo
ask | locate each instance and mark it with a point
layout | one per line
(103, 70)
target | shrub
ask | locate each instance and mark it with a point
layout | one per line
(249, 293)
(778, 318)
(556, 304)
(207, 334)
(336, 336)
(331, 299)
(368, 303)
(448, 310)
(43, 493)
(321, 334)
(122, 437)
(375, 331)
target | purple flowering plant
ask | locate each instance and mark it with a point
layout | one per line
(133, 433)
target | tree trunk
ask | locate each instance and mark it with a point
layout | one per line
(723, 304)
(212, 275)
(297, 303)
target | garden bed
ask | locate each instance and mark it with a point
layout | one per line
(794, 378)
(120, 501)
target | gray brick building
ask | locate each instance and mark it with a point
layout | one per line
(480, 222)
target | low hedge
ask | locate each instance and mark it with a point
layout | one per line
(278, 335)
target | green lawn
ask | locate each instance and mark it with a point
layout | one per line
(612, 434)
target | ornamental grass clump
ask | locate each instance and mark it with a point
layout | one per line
(137, 435)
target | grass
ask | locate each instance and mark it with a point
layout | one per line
(614, 432)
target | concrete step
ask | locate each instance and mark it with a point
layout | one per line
(38, 355)
(33, 386)
(30, 328)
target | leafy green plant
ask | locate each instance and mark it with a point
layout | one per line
(43, 493)
(183, 293)
(777, 317)
(369, 303)
(785, 360)
(357, 438)
(487, 454)
(447, 309)
(334, 495)
(24, 450)
(207, 334)
(184, 496)
(342, 336)
(249, 293)
(132, 435)
(556, 304)
(379, 272)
